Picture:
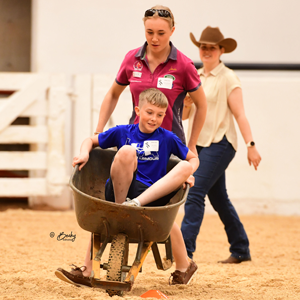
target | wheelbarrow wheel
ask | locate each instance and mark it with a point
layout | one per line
(118, 256)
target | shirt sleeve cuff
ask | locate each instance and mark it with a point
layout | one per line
(119, 83)
(194, 89)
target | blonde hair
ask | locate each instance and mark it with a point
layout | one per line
(155, 97)
(171, 20)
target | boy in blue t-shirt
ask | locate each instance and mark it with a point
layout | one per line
(139, 172)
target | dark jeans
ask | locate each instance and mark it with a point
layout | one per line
(210, 180)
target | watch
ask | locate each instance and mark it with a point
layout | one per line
(250, 144)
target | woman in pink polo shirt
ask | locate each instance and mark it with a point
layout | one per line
(160, 65)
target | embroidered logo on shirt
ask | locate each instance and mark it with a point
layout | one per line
(171, 69)
(170, 76)
(138, 65)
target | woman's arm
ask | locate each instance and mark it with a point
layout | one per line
(199, 100)
(235, 102)
(187, 104)
(108, 105)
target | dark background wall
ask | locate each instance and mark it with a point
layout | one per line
(15, 35)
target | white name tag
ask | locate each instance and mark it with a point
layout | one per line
(150, 146)
(137, 74)
(164, 83)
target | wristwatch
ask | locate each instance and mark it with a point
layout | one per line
(250, 144)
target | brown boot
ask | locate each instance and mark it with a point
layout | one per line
(233, 260)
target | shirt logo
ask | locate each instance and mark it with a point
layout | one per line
(170, 76)
(148, 151)
(171, 69)
(138, 65)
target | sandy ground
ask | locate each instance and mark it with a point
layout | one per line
(29, 257)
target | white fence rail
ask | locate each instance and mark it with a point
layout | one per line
(43, 99)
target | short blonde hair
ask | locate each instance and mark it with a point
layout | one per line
(171, 20)
(153, 96)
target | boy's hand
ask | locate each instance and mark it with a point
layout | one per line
(188, 101)
(190, 181)
(81, 159)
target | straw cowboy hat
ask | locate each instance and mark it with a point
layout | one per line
(213, 35)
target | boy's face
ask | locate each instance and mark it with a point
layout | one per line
(151, 116)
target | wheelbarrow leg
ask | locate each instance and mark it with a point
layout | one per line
(97, 250)
(167, 262)
(137, 264)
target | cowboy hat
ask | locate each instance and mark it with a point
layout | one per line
(213, 35)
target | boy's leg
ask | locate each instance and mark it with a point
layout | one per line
(121, 172)
(167, 184)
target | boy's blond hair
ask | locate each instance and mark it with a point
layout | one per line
(153, 96)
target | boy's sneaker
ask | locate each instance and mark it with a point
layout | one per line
(184, 277)
(134, 202)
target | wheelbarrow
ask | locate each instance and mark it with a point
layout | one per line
(120, 225)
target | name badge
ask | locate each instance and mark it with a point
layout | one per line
(164, 83)
(150, 146)
(137, 74)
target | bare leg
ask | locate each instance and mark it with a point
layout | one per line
(88, 261)
(167, 184)
(121, 172)
(178, 249)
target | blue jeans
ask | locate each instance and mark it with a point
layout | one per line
(210, 180)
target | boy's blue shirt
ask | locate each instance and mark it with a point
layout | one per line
(153, 150)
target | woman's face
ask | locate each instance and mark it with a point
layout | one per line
(210, 53)
(158, 33)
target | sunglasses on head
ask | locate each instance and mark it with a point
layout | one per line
(161, 12)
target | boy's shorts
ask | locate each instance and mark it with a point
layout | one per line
(135, 189)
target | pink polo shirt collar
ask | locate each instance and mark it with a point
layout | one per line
(142, 52)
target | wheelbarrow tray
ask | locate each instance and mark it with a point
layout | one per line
(88, 186)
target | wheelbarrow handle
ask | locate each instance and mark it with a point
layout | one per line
(186, 191)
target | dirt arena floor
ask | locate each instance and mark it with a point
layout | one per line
(29, 257)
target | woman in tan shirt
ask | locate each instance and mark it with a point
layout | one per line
(217, 144)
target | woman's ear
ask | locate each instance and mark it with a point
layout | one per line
(172, 30)
(137, 110)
